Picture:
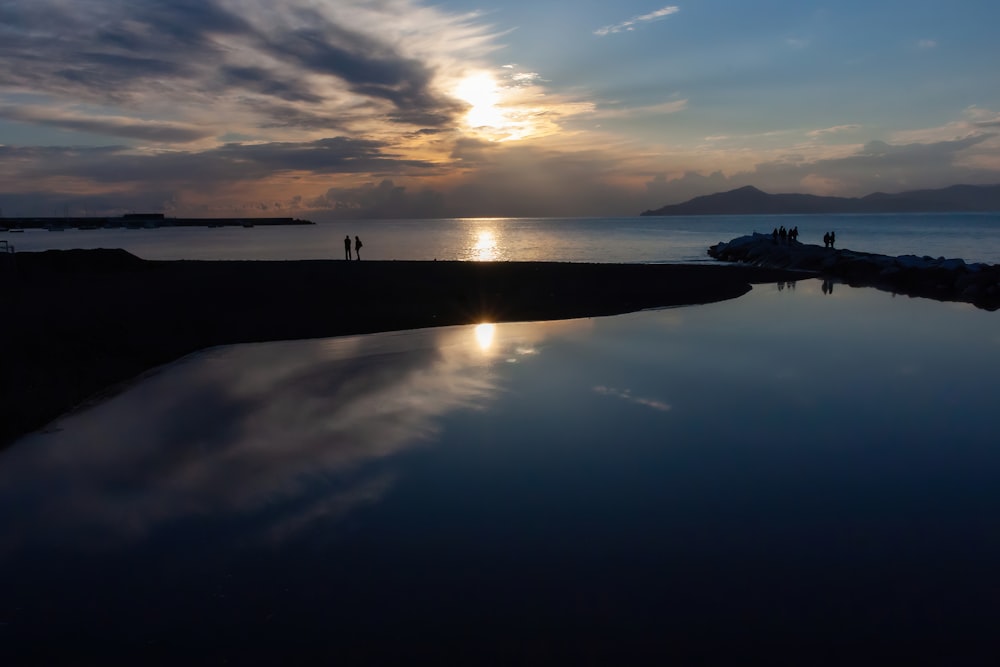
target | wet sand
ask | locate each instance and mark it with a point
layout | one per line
(78, 323)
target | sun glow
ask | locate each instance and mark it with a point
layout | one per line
(483, 94)
(494, 112)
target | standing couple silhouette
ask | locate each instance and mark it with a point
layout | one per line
(347, 247)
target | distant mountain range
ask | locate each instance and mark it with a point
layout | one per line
(749, 201)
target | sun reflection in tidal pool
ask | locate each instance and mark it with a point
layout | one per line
(484, 335)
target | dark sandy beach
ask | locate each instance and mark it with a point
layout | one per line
(78, 323)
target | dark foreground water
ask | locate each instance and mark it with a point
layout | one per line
(790, 468)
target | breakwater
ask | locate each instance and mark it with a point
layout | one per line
(935, 278)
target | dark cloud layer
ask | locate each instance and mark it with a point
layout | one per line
(229, 163)
(368, 67)
(261, 81)
(382, 200)
(121, 127)
(117, 51)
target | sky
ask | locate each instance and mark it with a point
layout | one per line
(326, 109)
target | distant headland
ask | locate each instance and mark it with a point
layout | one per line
(751, 201)
(138, 221)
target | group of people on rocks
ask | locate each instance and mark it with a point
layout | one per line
(347, 247)
(785, 234)
(789, 235)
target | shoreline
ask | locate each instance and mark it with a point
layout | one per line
(79, 323)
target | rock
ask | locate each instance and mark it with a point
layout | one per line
(937, 278)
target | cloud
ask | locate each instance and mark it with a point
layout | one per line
(927, 44)
(260, 80)
(821, 185)
(106, 50)
(631, 23)
(973, 121)
(119, 126)
(978, 117)
(327, 180)
(226, 163)
(875, 166)
(253, 63)
(524, 180)
(369, 68)
(503, 180)
(382, 200)
(648, 110)
(836, 129)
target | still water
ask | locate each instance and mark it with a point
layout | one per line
(974, 237)
(790, 464)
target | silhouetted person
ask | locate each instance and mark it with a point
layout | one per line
(782, 233)
(793, 234)
(774, 235)
(827, 286)
(833, 238)
(357, 247)
(826, 240)
(347, 247)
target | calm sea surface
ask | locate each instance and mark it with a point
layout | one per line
(792, 466)
(974, 237)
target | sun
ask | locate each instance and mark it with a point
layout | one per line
(482, 93)
(498, 111)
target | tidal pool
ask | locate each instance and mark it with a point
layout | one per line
(796, 463)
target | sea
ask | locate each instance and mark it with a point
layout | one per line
(807, 473)
(974, 237)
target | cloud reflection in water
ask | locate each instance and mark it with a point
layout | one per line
(305, 429)
(626, 394)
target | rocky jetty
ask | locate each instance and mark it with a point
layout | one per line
(935, 278)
